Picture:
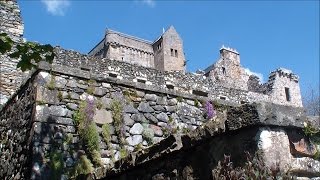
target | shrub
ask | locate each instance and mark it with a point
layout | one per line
(148, 135)
(186, 130)
(60, 96)
(83, 118)
(254, 168)
(96, 157)
(117, 109)
(138, 147)
(180, 99)
(91, 87)
(91, 137)
(56, 164)
(83, 166)
(196, 103)
(52, 83)
(314, 136)
(309, 130)
(123, 153)
(106, 133)
(99, 104)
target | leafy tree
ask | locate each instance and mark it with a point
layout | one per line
(30, 53)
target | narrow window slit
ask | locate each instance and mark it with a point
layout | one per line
(113, 75)
(200, 93)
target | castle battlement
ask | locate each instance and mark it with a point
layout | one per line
(282, 72)
(229, 49)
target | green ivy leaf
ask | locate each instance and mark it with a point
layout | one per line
(29, 52)
(5, 43)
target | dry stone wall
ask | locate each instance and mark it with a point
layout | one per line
(147, 117)
(15, 133)
(181, 83)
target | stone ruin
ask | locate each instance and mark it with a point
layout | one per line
(164, 130)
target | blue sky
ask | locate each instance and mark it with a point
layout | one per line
(267, 34)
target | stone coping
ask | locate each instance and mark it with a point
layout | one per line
(257, 115)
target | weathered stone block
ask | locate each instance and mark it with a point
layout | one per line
(158, 108)
(157, 130)
(138, 118)
(60, 82)
(136, 129)
(73, 95)
(127, 120)
(72, 106)
(162, 100)
(150, 97)
(130, 109)
(144, 107)
(172, 102)
(58, 111)
(45, 95)
(71, 83)
(134, 140)
(163, 117)
(151, 118)
(106, 102)
(100, 91)
(102, 116)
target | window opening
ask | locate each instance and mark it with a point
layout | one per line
(170, 86)
(113, 75)
(224, 70)
(287, 91)
(200, 93)
(141, 81)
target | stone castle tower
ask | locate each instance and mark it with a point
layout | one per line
(284, 87)
(165, 53)
(227, 70)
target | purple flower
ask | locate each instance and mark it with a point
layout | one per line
(210, 112)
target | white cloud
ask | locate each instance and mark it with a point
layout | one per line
(259, 75)
(150, 3)
(56, 7)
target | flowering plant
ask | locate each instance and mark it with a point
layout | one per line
(209, 110)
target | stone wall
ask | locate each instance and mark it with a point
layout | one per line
(15, 133)
(181, 83)
(10, 23)
(279, 81)
(178, 82)
(281, 146)
(148, 117)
